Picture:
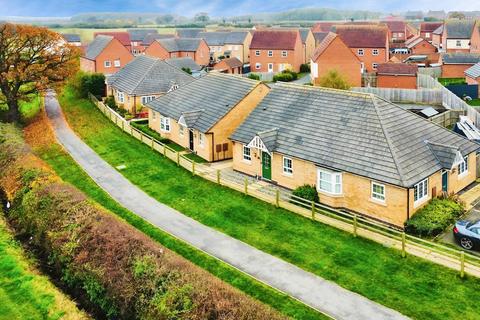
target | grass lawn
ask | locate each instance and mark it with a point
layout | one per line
(70, 172)
(140, 125)
(474, 102)
(86, 34)
(412, 286)
(450, 81)
(24, 293)
(195, 158)
(28, 109)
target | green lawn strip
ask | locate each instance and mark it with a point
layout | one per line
(412, 286)
(23, 294)
(70, 172)
(474, 102)
(143, 127)
(451, 81)
(195, 158)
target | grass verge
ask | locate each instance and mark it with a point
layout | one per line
(412, 286)
(45, 146)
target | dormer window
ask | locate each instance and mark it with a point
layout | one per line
(173, 87)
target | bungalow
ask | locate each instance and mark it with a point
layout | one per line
(369, 43)
(427, 29)
(461, 36)
(72, 39)
(397, 30)
(229, 65)
(419, 45)
(454, 65)
(362, 153)
(334, 54)
(142, 80)
(229, 44)
(397, 75)
(472, 76)
(105, 54)
(202, 115)
(197, 49)
(276, 50)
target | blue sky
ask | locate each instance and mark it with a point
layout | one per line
(58, 8)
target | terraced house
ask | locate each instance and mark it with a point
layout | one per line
(197, 49)
(229, 44)
(202, 115)
(143, 80)
(362, 153)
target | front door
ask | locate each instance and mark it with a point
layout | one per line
(270, 67)
(266, 166)
(191, 139)
(445, 181)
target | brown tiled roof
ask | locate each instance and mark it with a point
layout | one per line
(358, 36)
(395, 26)
(397, 69)
(430, 26)
(233, 62)
(123, 37)
(274, 39)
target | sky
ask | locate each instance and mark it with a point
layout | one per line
(217, 8)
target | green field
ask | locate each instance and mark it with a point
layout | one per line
(86, 35)
(411, 285)
(24, 293)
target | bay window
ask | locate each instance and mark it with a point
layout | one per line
(329, 181)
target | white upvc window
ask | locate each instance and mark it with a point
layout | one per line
(212, 49)
(427, 34)
(378, 191)
(165, 124)
(329, 181)
(116, 63)
(287, 165)
(284, 53)
(121, 97)
(258, 66)
(107, 63)
(458, 43)
(463, 167)
(257, 53)
(247, 153)
(181, 130)
(201, 139)
(270, 53)
(360, 52)
(420, 191)
(375, 52)
(147, 99)
(375, 66)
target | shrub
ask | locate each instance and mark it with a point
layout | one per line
(307, 192)
(435, 217)
(110, 101)
(304, 68)
(254, 76)
(187, 70)
(89, 82)
(285, 76)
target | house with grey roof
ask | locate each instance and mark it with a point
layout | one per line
(105, 54)
(203, 114)
(454, 64)
(195, 48)
(472, 76)
(188, 32)
(143, 80)
(362, 153)
(227, 44)
(186, 64)
(461, 36)
(72, 39)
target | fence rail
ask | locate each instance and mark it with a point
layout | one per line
(356, 224)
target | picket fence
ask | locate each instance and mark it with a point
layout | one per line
(356, 224)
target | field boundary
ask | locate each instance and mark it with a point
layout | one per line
(358, 225)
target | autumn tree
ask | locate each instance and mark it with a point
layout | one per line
(32, 59)
(333, 79)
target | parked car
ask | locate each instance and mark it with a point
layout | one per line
(467, 233)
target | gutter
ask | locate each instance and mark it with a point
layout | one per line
(408, 204)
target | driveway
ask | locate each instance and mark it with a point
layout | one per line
(312, 290)
(447, 236)
(303, 80)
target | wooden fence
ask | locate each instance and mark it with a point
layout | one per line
(434, 72)
(420, 96)
(447, 118)
(349, 222)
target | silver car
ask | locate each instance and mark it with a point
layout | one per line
(467, 233)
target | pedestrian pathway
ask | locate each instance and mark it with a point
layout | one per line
(323, 295)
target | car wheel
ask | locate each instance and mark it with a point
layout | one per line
(466, 243)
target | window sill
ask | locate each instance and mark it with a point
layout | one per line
(288, 175)
(333, 195)
(247, 161)
(378, 201)
(462, 175)
(420, 201)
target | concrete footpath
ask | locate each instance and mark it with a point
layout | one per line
(320, 294)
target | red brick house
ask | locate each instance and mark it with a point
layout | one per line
(461, 36)
(397, 75)
(418, 45)
(369, 43)
(229, 65)
(105, 54)
(334, 54)
(455, 64)
(276, 50)
(427, 28)
(123, 37)
(397, 30)
(197, 49)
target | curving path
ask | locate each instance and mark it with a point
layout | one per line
(320, 294)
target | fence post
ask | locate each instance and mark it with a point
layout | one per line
(313, 210)
(123, 125)
(178, 158)
(404, 241)
(355, 222)
(151, 143)
(218, 176)
(462, 264)
(141, 137)
(193, 168)
(277, 198)
(131, 130)
(245, 182)
(164, 151)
